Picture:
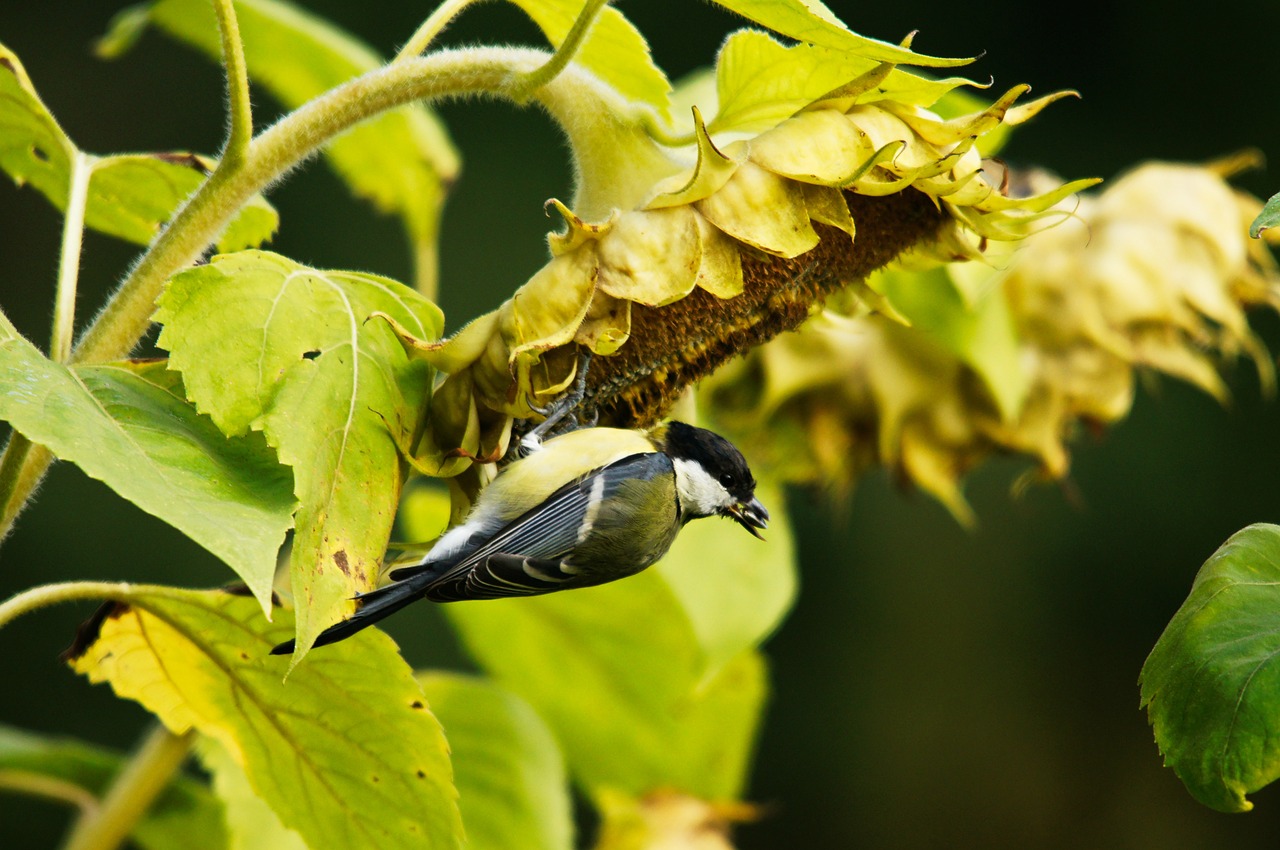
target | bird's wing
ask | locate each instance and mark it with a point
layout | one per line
(501, 575)
(528, 555)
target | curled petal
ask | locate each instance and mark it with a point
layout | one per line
(712, 171)
(577, 232)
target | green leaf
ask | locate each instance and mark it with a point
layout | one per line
(617, 672)
(250, 822)
(402, 161)
(734, 589)
(1211, 685)
(344, 751)
(760, 83)
(33, 148)
(185, 816)
(614, 50)
(512, 787)
(981, 334)
(130, 426)
(812, 22)
(1268, 218)
(130, 196)
(266, 344)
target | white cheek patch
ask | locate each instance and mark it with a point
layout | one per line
(699, 492)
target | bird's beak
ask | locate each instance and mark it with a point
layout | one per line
(750, 515)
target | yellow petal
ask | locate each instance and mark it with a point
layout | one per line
(820, 146)
(606, 326)
(651, 256)
(828, 206)
(720, 271)
(763, 210)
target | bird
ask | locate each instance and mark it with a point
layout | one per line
(583, 508)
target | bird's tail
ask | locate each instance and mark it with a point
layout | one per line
(373, 607)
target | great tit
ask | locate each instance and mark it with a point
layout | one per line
(584, 508)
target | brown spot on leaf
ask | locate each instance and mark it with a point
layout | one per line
(38, 153)
(417, 703)
(8, 64)
(87, 632)
(375, 778)
(239, 588)
(340, 558)
(188, 160)
(422, 774)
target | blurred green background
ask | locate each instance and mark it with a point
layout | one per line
(933, 687)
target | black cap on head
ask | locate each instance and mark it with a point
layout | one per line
(718, 456)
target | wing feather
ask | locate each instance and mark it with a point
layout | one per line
(530, 554)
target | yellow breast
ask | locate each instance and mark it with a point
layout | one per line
(528, 482)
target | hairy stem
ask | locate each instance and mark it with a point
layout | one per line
(64, 310)
(22, 467)
(432, 27)
(240, 111)
(45, 595)
(132, 792)
(270, 156)
(564, 54)
(276, 151)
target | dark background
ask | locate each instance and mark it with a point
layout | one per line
(934, 687)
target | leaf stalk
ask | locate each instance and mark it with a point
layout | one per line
(64, 310)
(536, 79)
(239, 107)
(132, 792)
(275, 152)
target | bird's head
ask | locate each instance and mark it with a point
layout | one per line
(712, 477)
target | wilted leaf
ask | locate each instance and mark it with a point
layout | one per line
(401, 160)
(614, 50)
(185, 816)
(130, 426)
(250, 822)
(812, 22)
(130, 196)
(1212, 683)
(512, 787)
(266, 344)
(345, 751)
(981, 334)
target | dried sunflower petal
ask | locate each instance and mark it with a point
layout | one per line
(1153, 273)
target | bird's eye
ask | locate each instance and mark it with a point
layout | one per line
(726, 479)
